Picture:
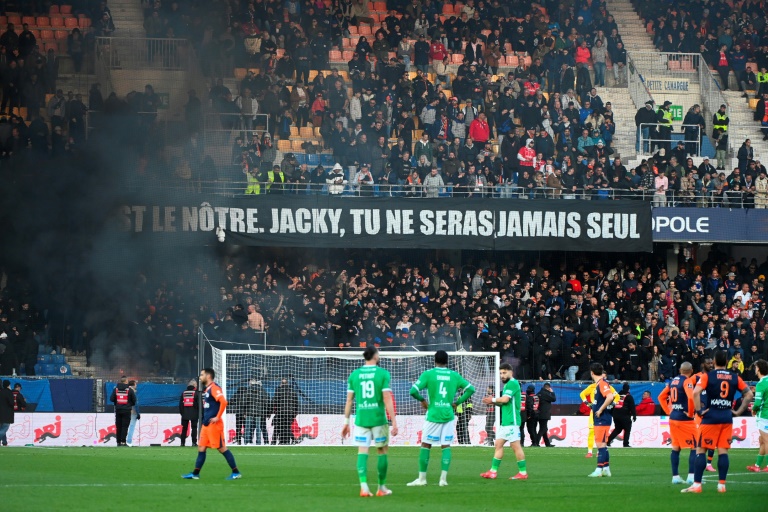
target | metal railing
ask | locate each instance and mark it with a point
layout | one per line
(678, 65)
(637, 88)
(143, 53)
(648, 144)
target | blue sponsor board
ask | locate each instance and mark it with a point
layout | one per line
(710, 225)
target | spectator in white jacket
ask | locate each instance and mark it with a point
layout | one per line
(433, 183)
(355, 108)
(336, 180)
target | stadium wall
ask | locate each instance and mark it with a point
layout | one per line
(72, 429)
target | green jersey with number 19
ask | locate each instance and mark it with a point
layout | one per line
(442, 385)
(761, 394)
(368, 383)
(510, 411)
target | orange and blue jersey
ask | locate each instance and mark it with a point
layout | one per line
(214, 403)
(602, 390)
(677, 399)
(721, 387)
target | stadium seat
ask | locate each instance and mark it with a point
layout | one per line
(313, 160)
(686, 65)
(3, 21)
(327, 160)
(44, 359)
(29, 20)
(301, 158)
(284, 146)
(527, 61)
(57, 22)
(63, 369)
(353, 30)
(753, 103)
(334, 56)
(15, 19)
(43, 21)
(448, 9)
(294, 131)
(364, 30)
(70, 23)
(457, 58)
(84, 23)
(673, 65)
(296, 145)
(380, 6)
(48, 369)
(448, 93)
(305, 132)
(65, 9)
(47, 35)
(511, 61)
(240, 73)
(60, 35)
(58, 359)
(50, 45)
(54, 10)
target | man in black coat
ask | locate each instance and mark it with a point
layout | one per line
(531, 414)
(124, 399)
(624, 413)
(546, 398)
(6, 410)
(285, 405)
(189, 408)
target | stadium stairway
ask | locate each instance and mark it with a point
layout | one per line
(80, 366)
(624, 118)
(631, 27)
(743, 126)
(128, 18)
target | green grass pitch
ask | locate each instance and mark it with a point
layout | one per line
(319, 479)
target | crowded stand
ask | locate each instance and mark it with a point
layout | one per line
(634, 317)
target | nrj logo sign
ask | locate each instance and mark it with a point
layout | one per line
(680, 224)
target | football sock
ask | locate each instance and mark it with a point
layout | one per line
(722, 467)
(607, 457)
(199, 462)
(699, 467)
(383, 465)
(674, 459)
(446, 462)
(521, 467)
(495, 464)
(362, 467)
(710, 456)
(760, 461)
(602, 456)
(230, 460)
(691, 462)
(423, 459)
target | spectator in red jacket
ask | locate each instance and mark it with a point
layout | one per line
(479, 129)
(583, 54)
(437, 50)
(646, 406)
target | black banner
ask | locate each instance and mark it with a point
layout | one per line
(435, 223)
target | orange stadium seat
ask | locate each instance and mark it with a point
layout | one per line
(3, 21)
(305, 132)
(334, 55)
(448, 9)
(15, 19)
(54, 10)
(240, 73)
(57, 22)
(353, 30)
(84, 23)
(673, 65)
(50, 45)
(347, 55)
(364, 30)
(457, 58)
(70, 22)
(527, 61)
(296, 145)
(65, 9)
(294, 131)
(47, 35)
(380, 6)
(511, 60)
(60, 35)
(43, 21)
(29, 20)
(284, 146)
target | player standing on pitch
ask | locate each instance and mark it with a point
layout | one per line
(369, 387)
(716, 430)
(706, 367)
(603, 403)
(440, 424)
(760, 410)
(587, 397)
(212, 431)
(509, 408)
(677, 401)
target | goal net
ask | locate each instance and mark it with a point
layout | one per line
(298, 397)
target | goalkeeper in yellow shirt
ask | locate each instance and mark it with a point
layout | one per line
(587, 398)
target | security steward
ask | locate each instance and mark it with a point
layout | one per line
(463, 414)
(124, 399)
(189, 408)
(624, 413)
(664, 119)
(720, 122)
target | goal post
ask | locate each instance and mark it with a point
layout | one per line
(304, 393)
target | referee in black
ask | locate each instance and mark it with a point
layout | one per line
(624, 413)
(124, 399)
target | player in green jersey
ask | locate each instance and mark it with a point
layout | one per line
(509, 407)
(441, 384)
(760, 410)
(369, 388)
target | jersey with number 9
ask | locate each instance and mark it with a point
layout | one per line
(369, 383)
(442, 384)
(721, 387)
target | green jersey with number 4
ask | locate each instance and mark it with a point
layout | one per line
(510, 411)
(441, 384)
(761, 393)
(368, 383)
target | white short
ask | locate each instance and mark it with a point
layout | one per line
(439, 433)
(378, 436)
(762, 425)
(510, 433)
